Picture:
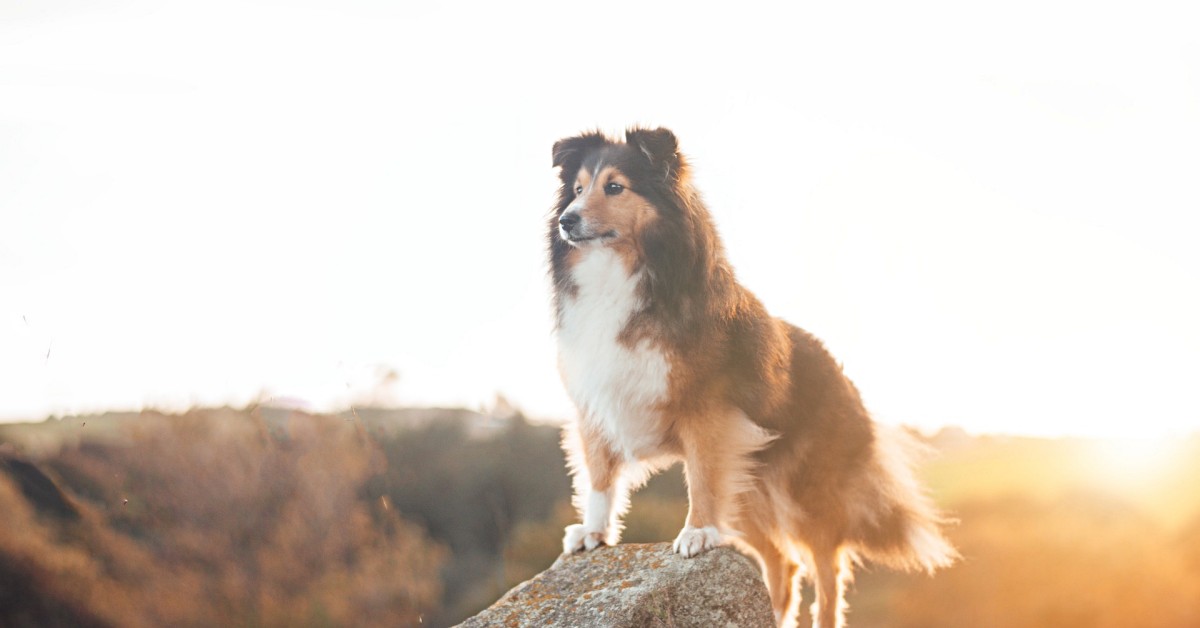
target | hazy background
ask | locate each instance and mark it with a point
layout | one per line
(987, 210)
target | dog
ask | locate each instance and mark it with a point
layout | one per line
(668, 358)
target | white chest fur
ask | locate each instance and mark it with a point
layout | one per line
(615, 386)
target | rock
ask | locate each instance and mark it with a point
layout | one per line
(638, 586)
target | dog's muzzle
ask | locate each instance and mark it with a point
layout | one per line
(573, 229)
(569, 222)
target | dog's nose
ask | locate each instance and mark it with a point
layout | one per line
(568, 221)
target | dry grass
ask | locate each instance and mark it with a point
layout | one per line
(215, 518)
(221, 517)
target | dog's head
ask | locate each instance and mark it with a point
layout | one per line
(635, 198)
(612, 191)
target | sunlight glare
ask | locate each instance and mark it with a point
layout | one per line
(1132, 462)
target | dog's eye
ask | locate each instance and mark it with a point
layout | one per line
(578, 189)
(613, 188)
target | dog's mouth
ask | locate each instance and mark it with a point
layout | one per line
(577, 238)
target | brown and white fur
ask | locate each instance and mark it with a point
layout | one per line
(668, 359)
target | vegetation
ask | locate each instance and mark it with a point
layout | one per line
(214, 519)
(269, 518)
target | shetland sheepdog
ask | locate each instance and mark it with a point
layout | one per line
(668, 358)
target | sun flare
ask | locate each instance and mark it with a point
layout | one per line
(1133, 461)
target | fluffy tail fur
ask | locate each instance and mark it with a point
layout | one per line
(904, 531)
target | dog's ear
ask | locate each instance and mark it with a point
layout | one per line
(568, 153)
(659, 146)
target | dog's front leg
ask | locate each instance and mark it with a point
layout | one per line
(705, 501)
(598, 491)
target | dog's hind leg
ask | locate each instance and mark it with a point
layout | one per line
(781, 574)
(831, 572)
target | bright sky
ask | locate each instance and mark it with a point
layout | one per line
(989, 211)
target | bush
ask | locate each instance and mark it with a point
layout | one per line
(214, 519)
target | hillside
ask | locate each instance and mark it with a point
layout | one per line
(399, 517)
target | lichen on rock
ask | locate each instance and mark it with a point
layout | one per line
(637, 585)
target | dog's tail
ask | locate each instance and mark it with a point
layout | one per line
(901, 528)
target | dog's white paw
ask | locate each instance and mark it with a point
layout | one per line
(695, 541)
(576, 538)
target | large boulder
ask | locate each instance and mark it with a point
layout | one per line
(638, 585)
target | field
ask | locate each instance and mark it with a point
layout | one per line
(264, 517)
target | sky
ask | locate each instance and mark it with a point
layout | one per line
(988, 211)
